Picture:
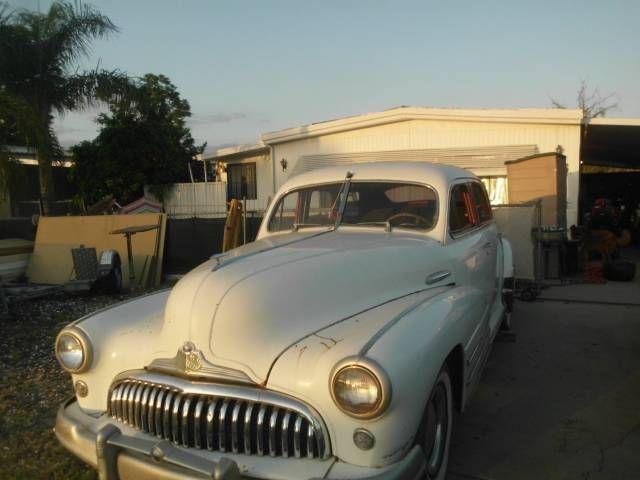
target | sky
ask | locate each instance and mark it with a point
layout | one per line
(250, 67)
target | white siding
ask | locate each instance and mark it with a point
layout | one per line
(432, 134)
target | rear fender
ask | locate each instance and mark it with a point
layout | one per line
(508, 269)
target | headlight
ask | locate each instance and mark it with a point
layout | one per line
(361, 391)
(73, 350)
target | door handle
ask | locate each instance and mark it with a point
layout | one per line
(437, 276)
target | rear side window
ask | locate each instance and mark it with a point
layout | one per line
(460, 214)
(481, 201)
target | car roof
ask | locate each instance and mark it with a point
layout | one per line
(437, 175)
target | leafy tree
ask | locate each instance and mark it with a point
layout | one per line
(142, 141)
(10, 115)
(39, 54)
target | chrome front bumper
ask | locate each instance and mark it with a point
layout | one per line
(116, 454)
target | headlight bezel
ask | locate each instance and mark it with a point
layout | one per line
(85, 345)
(376, 372)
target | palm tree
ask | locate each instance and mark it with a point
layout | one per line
(39, 54)
(15, 121)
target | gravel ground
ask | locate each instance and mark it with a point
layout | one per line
(33, 386)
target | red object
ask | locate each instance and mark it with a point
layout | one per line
(594, 272)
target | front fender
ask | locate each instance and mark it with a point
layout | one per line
(409, 338)
(122, 338)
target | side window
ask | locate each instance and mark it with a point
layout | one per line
(481, 202)
(284, 215)
(460, 214)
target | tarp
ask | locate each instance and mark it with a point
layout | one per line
(14, 258)
(51, 261)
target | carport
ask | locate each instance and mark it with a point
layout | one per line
(610, 165)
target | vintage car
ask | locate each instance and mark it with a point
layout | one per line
(334, 346)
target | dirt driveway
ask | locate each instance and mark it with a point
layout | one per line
(562, 402)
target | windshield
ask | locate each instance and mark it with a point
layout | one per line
(387, 204)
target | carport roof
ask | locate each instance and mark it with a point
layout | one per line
(612, 142)
(237, 152)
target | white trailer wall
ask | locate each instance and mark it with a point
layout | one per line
(440, 133)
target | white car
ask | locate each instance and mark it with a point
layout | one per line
(335, 346)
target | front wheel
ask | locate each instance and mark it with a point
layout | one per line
(434, 435)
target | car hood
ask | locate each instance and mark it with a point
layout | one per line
(243, 309)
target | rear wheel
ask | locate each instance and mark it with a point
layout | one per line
(434, 435)
(112, 282)
(115, 280)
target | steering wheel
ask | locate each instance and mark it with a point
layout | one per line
(417, 219)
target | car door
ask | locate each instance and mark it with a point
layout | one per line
(472, 245)
(489, 238)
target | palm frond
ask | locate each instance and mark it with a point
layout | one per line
(87, 89)
(17, 114)
(6, 12)
(70, 28)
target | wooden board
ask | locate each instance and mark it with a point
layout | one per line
(51, 260)
(540, 177)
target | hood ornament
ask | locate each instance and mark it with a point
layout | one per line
(192, 358)
(190, 362)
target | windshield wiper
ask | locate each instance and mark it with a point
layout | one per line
(385, 224)
(342, 198)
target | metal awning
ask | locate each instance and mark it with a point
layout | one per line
(483, 161)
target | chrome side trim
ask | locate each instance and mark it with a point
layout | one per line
(224, 259)
(434, 291)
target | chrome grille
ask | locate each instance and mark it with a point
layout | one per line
(217, 420)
